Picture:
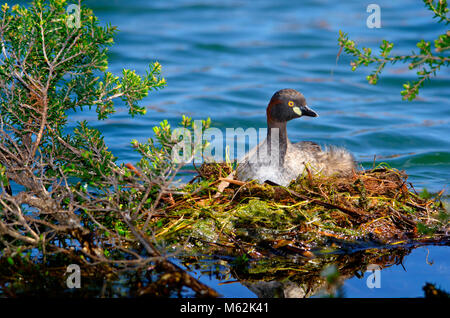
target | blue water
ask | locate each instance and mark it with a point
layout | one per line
(225, 59)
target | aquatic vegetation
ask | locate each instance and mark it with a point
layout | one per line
(281, 239)
(278, 240)
(377, 206)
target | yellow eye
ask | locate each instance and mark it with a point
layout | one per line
(291, 103)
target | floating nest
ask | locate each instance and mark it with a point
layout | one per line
(215, 213)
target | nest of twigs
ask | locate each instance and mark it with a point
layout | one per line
(377, 206)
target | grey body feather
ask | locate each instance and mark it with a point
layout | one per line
(262, 165)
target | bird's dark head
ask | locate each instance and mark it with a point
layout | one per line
(287, 104)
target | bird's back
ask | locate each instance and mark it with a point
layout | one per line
(258, 165)
(329, 161)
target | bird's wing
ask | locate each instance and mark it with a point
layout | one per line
(308, 146)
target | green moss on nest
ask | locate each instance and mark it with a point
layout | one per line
(377, 205)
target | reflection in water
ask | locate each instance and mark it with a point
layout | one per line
(300, 277)
(324, 276)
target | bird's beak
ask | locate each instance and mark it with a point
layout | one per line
(305, 111)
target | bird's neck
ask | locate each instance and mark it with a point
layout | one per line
(277, 138)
